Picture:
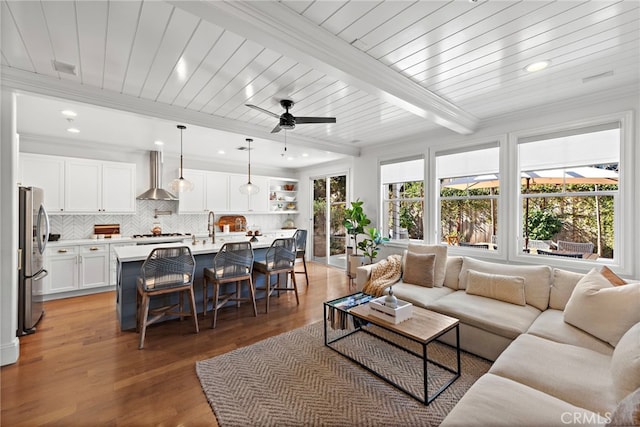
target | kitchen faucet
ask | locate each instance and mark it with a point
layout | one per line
(211, 226)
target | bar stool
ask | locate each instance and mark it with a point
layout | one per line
(165, 271)
(300, 237)
(232, 264)
(279, 258)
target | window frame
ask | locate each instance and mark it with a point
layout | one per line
(623, 206)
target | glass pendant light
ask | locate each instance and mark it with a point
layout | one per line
(249, 188)
(180, 185)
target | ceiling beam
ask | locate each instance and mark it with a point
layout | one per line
(277, 27)
(26, 81)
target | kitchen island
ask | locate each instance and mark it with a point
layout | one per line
(130, 259)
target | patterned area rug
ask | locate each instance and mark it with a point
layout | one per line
(293, 380)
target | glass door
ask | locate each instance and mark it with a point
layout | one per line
(329, 235)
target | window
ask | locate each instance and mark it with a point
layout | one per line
(403, 199)
(469, 195)
(569, 192)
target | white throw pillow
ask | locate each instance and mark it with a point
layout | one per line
(441, 259)
(601, 309)
(496, 286)
(625, 363)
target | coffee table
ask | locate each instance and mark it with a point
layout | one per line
(423, 328)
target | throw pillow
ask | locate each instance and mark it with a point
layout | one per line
(496, 286)
(441, 259)
(627, 413)
(419, 269)
(564, 282)
(601, 309)
(612, 277)
(625, 363)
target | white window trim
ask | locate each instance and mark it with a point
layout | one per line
(624, 250)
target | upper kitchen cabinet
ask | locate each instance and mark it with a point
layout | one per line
(239, 202)
(93, 186)
(210, 192)
(46, 172)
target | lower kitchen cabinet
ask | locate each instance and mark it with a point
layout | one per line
(75, 268)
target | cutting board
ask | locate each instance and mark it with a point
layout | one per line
(231, 221)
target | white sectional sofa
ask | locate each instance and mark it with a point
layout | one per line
(547, 372)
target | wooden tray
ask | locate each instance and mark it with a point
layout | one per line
(231, 221)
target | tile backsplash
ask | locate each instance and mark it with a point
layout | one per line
(81, 226)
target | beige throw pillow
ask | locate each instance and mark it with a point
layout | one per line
(496, 286)
(601, 309)
(419, 269)
(441, 259)
(625, 363)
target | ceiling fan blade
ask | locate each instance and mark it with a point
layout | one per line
(315, 120)
(276, 129)
(262, 110)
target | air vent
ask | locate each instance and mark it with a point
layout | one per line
(63, 67)
(597, 76)
(244, 148)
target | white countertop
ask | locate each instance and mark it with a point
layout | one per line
(141, 252)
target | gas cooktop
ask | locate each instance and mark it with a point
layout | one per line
(140, 236)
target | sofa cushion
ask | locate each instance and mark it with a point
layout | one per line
(612, 277)
(562, 285)
(496, 286)
(537, 279)
(500, 318)
(419, 295)
(419, 269)
(625, 363)
(498, 401)
(561, 370)
(627, 413)
(441, 259)
(551, 325)
(601, 309)
(451, 277)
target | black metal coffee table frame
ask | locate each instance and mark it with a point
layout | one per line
(426, 399)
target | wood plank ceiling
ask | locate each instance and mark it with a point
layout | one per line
(388, 70)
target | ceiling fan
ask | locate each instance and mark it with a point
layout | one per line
(287, 120)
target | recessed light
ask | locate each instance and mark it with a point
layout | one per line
(289, 158)
(537, 66)
(73, 130)
(221, 152)
(305, 154)
(69, 113)
(158, 143)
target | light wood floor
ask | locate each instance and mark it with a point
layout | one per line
(80, 370)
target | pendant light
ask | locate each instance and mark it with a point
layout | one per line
(249, 188)
(180, 185)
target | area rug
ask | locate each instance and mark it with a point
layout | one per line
(294, 380)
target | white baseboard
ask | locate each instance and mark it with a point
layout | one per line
(9, 352)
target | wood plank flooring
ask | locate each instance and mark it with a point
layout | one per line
(79, 369)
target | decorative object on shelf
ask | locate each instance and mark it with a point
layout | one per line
(249, 188)
(180, 184)
(289, 187)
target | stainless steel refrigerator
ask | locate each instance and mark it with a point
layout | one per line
(32, 240)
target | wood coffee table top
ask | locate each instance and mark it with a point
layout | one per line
(423, 326)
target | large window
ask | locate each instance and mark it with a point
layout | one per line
(469, 194)
(403, 199)
(569, 192)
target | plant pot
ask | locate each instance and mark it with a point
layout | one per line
(355, 261)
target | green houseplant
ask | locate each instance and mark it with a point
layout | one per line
(371, 243)
(355, 220)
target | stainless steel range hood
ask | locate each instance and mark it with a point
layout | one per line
(156, 192)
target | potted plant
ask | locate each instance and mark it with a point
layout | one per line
(371, 243)
(355, 220)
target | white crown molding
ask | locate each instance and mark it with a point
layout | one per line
(277, 27)
(19, 80)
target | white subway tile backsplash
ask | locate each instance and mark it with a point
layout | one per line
(81, 226)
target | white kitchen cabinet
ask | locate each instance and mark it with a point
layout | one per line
(93, 186)
(239, 202)
(46, 172)
(210, 192)
(73, 268)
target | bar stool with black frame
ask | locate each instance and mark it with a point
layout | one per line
(300, 237)
(280, 259)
